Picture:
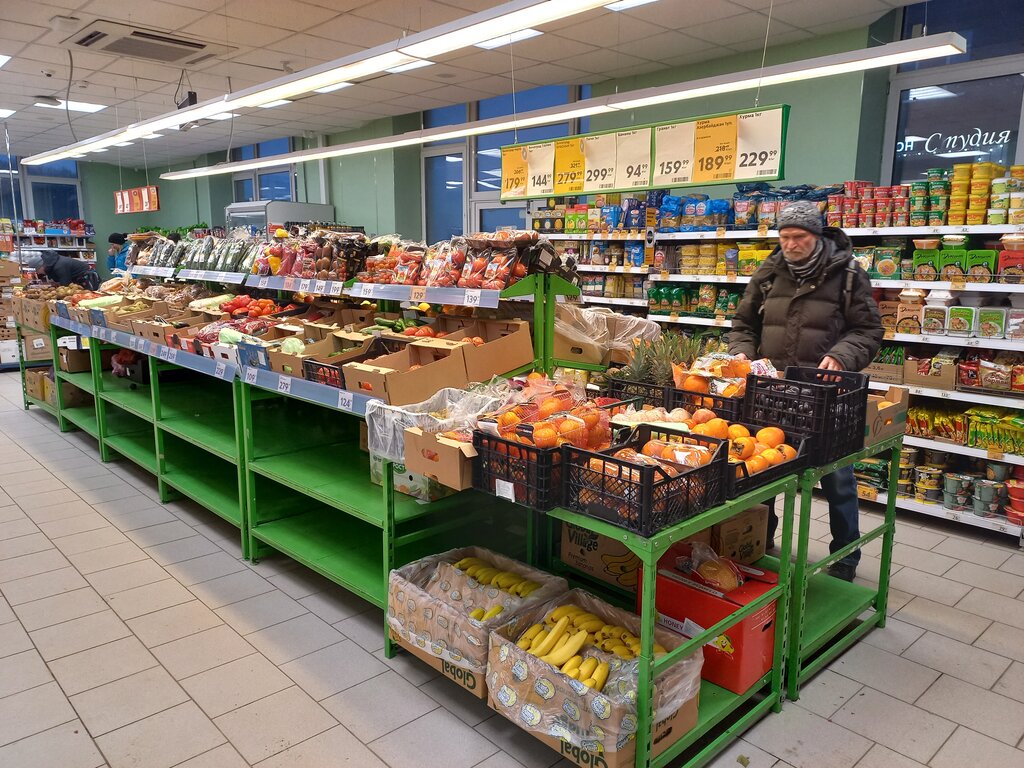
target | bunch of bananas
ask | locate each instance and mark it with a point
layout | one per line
(507, 581)
(481, 614)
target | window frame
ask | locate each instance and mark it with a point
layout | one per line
(254, 174)
(458, 148)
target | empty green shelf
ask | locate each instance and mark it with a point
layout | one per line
(124, 393)
(831, 605)
(82, 380)
(83, 417)
(137, 447)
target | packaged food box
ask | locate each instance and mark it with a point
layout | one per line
(952, 265)
(406, 482)
(888, 311)
(1011, 266)
(934, 320)
(990, 322)
(586, 726)
(961, 321)
(908, 319)
(887, 261)
(981, 266)
(926, 264)
(430, 603)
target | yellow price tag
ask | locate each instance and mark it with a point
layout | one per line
(720, 232)
(995, 455)
(569, 164)
(513, 172)
(627, 267)
(958, 282)
(762, 228)
(866, 492)
(714, 149)
(889, 333)
(730, 277)
(664, 274)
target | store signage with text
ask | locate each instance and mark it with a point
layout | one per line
(716, 149)
(137, 200)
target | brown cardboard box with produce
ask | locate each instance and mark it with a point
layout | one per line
(156, 330)
(35, 313)
(34, 383)
(886, 415)
(36, 346)
(743, 537)
(441, 608)
(592, 724)
(412, 374)
(442, 459)
(336, 347)
(507, 346)
(887, 373)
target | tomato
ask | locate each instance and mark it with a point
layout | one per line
(410, 331)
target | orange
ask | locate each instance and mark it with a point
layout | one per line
(760, 447)
(788, 451)
(772, 456)
(549, 407)
(717, 428)
(701, 415)
(695, 383)
(756, 464)
(598, 437)
(590, 418)
(508, 419)
(536, 376)
(699, 429)
(738, 430)
(731, 391)
(742, 447)
(652, 448)
(772, 436)
(545, 437)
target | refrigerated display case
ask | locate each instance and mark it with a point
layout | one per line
(257, 215)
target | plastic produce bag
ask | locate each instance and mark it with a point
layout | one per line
(430, 601)
(628, 327)
(589, 326)
(538, 698)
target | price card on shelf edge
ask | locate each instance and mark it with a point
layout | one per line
(598, 163)
(540, 168)
(304, 285)
(366, 290)
(220, 370)
(284, 384)
(289, 283)
(417, 293)
(472, 297)
(334, 289)
(503, 489)
(250, 375)
(320, 287)
(633, 159)
(995, 455)
(172, 355)
(344, 400)
(513, 172)
(714, 149)
(263, 282)
(569, 166)
(673, 154)
(759, 144)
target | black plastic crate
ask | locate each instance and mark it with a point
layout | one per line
(728, 408)
(654, 395)
(525, 474)
(642, 499)
(829, 407)
(739, 481)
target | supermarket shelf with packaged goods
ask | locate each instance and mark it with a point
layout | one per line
(463, 297)
(963, 450)
(718, 322)
(960, 395)
(587, 299)
(956, 341)
(999, 524)
(755, 234)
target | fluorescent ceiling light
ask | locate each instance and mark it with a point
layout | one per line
(223, 116)
(74, 106)
(411, 66)
(78, 154)
(333, 88)
(152, 136)
(124, 143)
(5, 172)
(278, 103)
(625, 5)
(6, 112)
(4, 59)
(495, 23)
(453, 158)
(515, 37)
(104, 149)
(929, 92)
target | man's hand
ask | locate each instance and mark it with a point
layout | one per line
(830, 364)
(740, 356)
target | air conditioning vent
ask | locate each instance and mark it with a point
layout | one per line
(124, 40)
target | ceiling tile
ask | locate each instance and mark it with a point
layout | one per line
(541, 48)
(292, 14)
(842, 25)
(415, 15)
(682, 14)
(803, 13)
(609, 30)
(312, 48)
(668, 44)
(553, 73)
(739, 28)
(156, 16)
(236, 32)
(601, 61)
(490, 62)
(359, 31)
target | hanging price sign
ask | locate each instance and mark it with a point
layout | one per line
(633, 159)
(513, 172)
(540, 171)
(673, 154)
(759, 144)
(714, 149)
(569, 166)
(599, 163)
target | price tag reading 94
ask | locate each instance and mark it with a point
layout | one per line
(264, 281)
(344, 400)
(284, 384)
(472, 298)
(633, 159)
(250, 375)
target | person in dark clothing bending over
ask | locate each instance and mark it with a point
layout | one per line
(810, 304)
(64, 271)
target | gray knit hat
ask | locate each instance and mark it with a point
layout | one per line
(803, 214)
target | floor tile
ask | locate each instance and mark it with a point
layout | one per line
(298, 583)
(30, 565)
(49, 498)
(965, 662)
(110, 493)
(231, 588)
(436, 740)
(260, 612)
(739, 753)
(118, 703)
(335, 605)
(967, 748)
(57, 609)
(21, 671)
(66, 746)
(962, 549)
(1000, 582)
(827, 692)
(995, 607)
(921, 559)
(407, 666)
(457, 700)
(806, 740)
(100, 665)
(182, 549)
(336, 748)
(120, 506)
(1004, 640)
(84, 542)
(79, 635)
(883, 757)
(294, 638)
(90, 521)
(13, 639)
(204, 568)
(172, 623)
(929, 586)
(885, 672)
(951, 622)
(509, 736)
(24, 545)
(273, 724)
(78, 484)
(123, 577)
(234, 684)
(6, 612)
(202, 651)
(981, 710)
(333, 669)
(58, 511)
(378, 705)
(896, 636)
(20, 526)
(1014, 564)
(107, 557)
(919, 537)
(224, 756)
(148, 598)
(43, 585)
(162, 740)
(161, 533)
(139, 518)
(366, 629)
(32, 711)
(895, 724)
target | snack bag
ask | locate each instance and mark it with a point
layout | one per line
(706, 567)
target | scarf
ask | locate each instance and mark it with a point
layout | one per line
(807, 268)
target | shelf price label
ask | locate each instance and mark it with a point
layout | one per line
(172, 355)
(569, 166)
(334, 289)
(250, 375)
(714, 149)
(320, 287)
(540, 171)
(505, 490)
(513, 172)
(472, 298)
(633, 159)
(220, 370)
(598, 163)
(417, 293)
(366, 290)
(284, 384)
(263, 281)
(673, 154)
(304, 286)
(344, 400)
(759, 144)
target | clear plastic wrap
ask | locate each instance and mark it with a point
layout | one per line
(541, 699)
(430, 601)
(625, 328)
(589, 326)
(448, 409)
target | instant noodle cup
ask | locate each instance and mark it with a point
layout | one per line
(937, 174)
(960, 187)
(1016, 200)
(883, 205)
(937, 219)
(851, 205)
(938, 187)
(1001, 200)
(1000, 185)
(980, 186)
(883, 193)
(1016, 216)
(902, 218)
(962, 170)
(976, 216)
(865, 220)
(883, 219)
(1017, 171)
(977, 203)
(998, 216)
(834, 219)
(866, 193)
(867, 206)
(835, 203)
(851, 220)
(919, 189)
(938, 202)
(956, 218)
(958, 203)
(918, 219)
(919, 204)
(900, 203)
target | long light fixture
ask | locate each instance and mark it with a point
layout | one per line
(4, 59)
(515, 37)
(74, 106)
(6, 113)
(918, 49)
(505, 19)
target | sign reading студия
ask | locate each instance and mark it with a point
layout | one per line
(714, 149)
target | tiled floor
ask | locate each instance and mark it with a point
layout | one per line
(132, 635)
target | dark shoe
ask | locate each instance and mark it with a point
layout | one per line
(842, 571)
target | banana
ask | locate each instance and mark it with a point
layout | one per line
(573, 673)
(590, 683)
(572, 663)
(540, 638)
(620, 649)
(587, 667)
(484, 575)
(506, 579)
(564, 610)
(582, 618)
(561, 655)
(524, 644)
(465, 562)
(590, 626)
(477, 614)
(604, 631)
(562, 640)
(549, 642)
(527, 587)
(600, 675)
(493, 612)
(532, 632)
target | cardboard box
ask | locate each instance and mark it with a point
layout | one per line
(439, 363)
(885, 373)
(743, 537)
(408, 483)
(8, 334)
(943, 379)
(508, 346)
(226, 352)
(36, 346)
(74, 397)
(34, 384)
(576, 350)
(883, 423)
(322, 350)
(888, 311)
(605, 558)
(448, 462)
(35, 314)
(125, 322)
(74, 360)
(743, 654)
(325, 326)
(9, 352)
(257, 355)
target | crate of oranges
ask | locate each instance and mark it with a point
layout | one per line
(654, 478)
(759, 455)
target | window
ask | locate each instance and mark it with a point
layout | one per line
(54, 202)
(243, 190)
(265, 184)
(453, 115)
(276, 185)
(991, 29)
(10, 189)
(444, 201)
(273, 147)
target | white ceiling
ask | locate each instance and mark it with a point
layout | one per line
(269, 35)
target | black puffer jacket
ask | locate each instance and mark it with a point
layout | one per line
(794, 324)
(64, 271)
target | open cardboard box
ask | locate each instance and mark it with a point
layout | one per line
(125, 322)
(257, 354)
(36, 346)
(412, 374)
(325, 326)
(36, 314)
(507, 346)
(79, 360)
(447, 461)
(577, 350)
(334, 342)
(156, 330)
(883, 423)
(943, 379)
(886, 373)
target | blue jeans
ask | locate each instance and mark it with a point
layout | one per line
(840, 488)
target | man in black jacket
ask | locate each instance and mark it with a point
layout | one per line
(64, 271)
(809, 304)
